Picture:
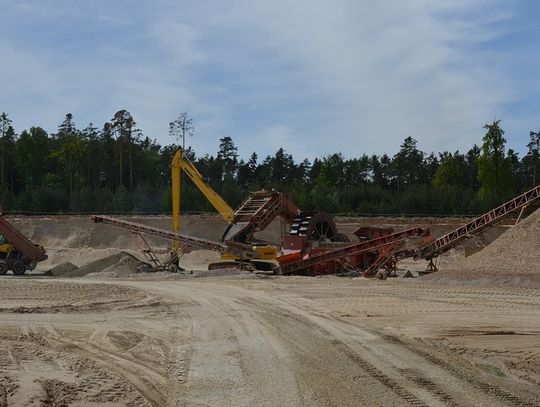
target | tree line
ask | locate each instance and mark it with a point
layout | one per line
(116, 169)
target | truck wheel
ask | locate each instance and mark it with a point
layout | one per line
(3, 267)
(19, 268)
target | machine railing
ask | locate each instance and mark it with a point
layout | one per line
(257, 212)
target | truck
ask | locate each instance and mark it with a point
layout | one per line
(17, 252)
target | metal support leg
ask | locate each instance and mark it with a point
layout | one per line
(521, 213)
(432, 266)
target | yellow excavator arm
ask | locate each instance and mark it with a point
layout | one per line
(181, 163)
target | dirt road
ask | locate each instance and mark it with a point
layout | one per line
(275, 342)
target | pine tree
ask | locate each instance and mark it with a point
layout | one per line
(6, 137)
(493, 168)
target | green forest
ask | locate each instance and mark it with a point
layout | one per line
(115, 168)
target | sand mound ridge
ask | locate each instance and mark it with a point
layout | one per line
(199, 259)
(125, 265)
(512, 259)
(118, 264)
(62, 269)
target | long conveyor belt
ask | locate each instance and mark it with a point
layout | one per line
(165, 234)
(480, 224)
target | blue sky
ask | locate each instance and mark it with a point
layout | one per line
(314, 77)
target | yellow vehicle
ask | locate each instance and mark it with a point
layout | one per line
(17, 253)
(11, 258)
(254, 253)
(5, 246)
(181, 163)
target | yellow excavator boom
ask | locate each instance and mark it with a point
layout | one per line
(181, 163)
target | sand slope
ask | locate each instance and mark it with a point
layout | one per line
(512, 259)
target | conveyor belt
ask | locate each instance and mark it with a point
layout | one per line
(480, 224)
(257, 212)
(288, 267)
(165, 234)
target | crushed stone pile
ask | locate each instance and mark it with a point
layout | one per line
(513, 259)
(118, 264)
(61, 269)
(124, 265)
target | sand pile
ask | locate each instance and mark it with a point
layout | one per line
(62, 269)
(116, 265)
(199, 259)
(512, 259)
(123, 264)
(78, 256)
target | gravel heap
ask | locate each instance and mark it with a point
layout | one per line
(512, 259)
(119, 263)
(62, 269)
(125, 265)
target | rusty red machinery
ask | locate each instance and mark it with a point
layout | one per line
(327, 260)
(368, 261)
(257, 212)
(313, 245)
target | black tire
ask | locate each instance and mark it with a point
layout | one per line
(3, 268)
(18, 268)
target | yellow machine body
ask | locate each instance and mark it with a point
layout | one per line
(181, 163)
(5, 249)
(262, 253)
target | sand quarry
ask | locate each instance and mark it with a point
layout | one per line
(96, 331)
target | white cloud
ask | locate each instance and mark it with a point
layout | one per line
(389, 69)
(314, 77)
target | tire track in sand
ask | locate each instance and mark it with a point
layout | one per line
(149, 382)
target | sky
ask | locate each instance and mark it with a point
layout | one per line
(314, 77)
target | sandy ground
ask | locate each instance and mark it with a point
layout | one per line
(117, 338)
(266, 341)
